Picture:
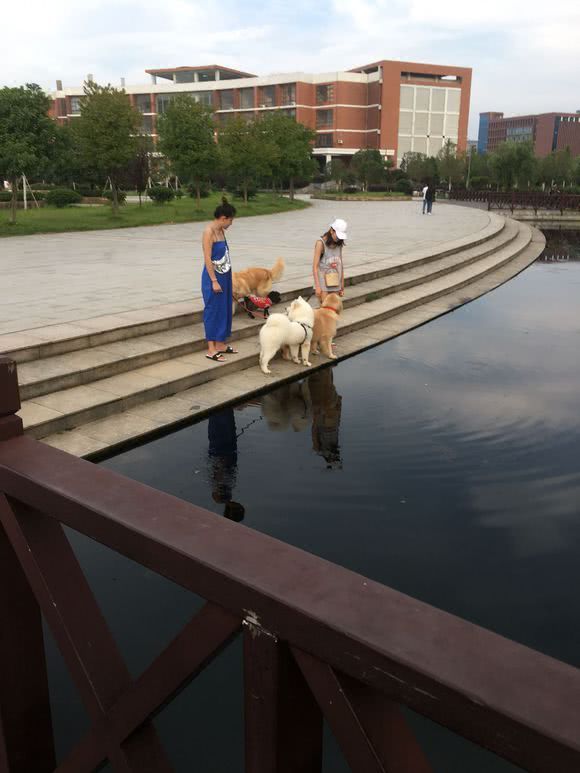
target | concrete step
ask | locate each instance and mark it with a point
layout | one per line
(69, 408)
(60, 339)
(65, 371)
(151, 419)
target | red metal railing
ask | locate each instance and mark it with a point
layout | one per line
(520, 200)
(318, 640)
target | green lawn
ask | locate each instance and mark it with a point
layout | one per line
(50, 220)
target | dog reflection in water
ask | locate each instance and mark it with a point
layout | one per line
(223, 461)
(314, 403)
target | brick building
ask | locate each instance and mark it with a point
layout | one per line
(546, 131)
(394, 107)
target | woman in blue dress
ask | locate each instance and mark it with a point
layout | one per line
(216, 283)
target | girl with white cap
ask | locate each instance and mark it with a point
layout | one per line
(327, 266)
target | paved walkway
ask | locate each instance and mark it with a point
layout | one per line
(54, 278)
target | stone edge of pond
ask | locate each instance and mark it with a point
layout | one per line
(251, 383)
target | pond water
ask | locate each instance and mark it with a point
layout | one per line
(444, 463)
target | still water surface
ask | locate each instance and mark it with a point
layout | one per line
(444, 463)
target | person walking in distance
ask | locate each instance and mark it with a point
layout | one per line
(216, 283)
(424, 193)
(429, 197)
(327, 266)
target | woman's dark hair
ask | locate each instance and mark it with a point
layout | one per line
(329, 241)
(225, 209)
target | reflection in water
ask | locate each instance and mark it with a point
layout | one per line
(456, 480)
(312, 402)
(223, 461)
(326, 410)
(562, 246)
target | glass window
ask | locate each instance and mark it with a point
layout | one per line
(324, 118)
(226, 99)
(324, 140)
(407, 96)
(246, 98)
(291, 113)
(436, 123)
(75, 105)
(453, 96)
(288, 93)
(405, 122)
(206, 75)
(147, 124)
(143, 103)
(422, 97)
(203, 97)
(421, 123)
(267, 96)
(451, 125)
(162, 101)
(438, 100)
(324, 94)
(184, 77)
(420, 145)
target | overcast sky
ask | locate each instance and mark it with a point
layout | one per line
(525, 55)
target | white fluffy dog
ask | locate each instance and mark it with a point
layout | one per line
(294, 331)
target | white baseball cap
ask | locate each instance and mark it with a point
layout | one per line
(339, 226)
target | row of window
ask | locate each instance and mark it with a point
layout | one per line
(435, 99)
(222, 118)
(247, 98)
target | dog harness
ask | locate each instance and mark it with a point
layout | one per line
(306, 327)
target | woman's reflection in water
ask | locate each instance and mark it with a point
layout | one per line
(223, 461)
(313, 402)
(326, 409)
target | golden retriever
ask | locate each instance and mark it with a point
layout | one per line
(325, 322)
(256, 281)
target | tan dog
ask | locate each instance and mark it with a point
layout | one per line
(325, 322)
(256, 281)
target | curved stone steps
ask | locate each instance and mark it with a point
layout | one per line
(44, 376)
(120, 395)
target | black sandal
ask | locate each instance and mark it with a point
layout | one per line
(217, 357)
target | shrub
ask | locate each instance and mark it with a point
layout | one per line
(62, 197)
(179, 194)
(350, 189)
(405, 186)
(121, 196)
(377, 188)
(7, 196)
(160, 195)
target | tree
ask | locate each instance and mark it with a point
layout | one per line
(138, 172)
(451, 165)
(513, 163)
(419, 167)
(186, 138)
(106, 134)
(247, 153)
(28, 136)
(339, 172)
(369, 166)
(293, 159)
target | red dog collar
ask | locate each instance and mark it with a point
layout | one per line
(329, 308)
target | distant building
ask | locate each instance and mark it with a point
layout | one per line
(394, 107)
(546, 131)
(472, 146)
